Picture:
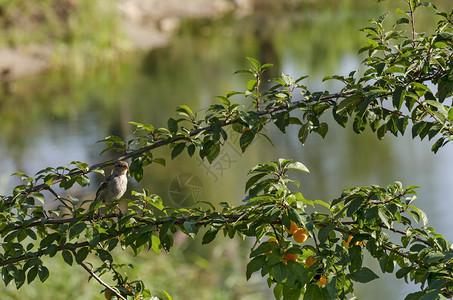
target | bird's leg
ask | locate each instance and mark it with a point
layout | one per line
(120, 213)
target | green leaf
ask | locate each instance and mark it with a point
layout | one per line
(254, 265)
(421, 214)
(92, 236)
(67, 257)
(281, 120)
(224, 100)
(356, 256)
(349, 103)
(185, 110)
(155, 244)
(395, 69)
(324, 233)
(432, 295)
(402, 21)
(76, 230)
(398, 97)
(167, 225)
(415, 296)
(254, 62)
(251, 84)
(263, 248)
(32, 274)
(291, 293)
(266, 66)
(439, 143)
(40, 197)
(112, 244)
(280, 272)
(417, 128)
(436, 104)
(45, 242)
(433, 257)
(210, 235)
(246, 139)
(359, 124)
(278, 291)
(289, 81)
(104, 255)
(313, 292)
(136, 168)
(191, 228)
(303, 133)
(380, 68)
(160, 161)
(300, 217)
(342, 120)
(353, 206)
(43, 273)
(401, 124)
(83, 180)
(172, 125)
(206, 148)
(82, 254)
(191, 150)
(177, 150)
(252, 180)
(168, 297)
(142, 126)
(386, 264)
(19, 279)
(450, 114)
(297, 166)
(213, 152)
(363, 275)
(385, 216)
(323, 129)
(400, 12)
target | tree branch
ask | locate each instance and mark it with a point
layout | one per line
(161, 143)
(41, 252)
(98, 279)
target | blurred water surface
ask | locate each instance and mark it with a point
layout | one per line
(56, 117)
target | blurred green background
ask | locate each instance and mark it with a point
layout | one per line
(96, 80)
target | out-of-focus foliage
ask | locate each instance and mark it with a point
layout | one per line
(83, 31)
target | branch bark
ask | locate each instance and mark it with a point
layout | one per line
(98, 279)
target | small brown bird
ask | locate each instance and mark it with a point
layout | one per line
(114, 186)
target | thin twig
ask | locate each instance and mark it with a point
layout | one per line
(412, 20)
(98, 279)
(41, 252)
(59, 198)
(179, 221)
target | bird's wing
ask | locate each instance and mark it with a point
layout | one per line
(103, 185)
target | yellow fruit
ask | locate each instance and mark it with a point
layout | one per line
(274, 240)
(310, 261)
(300, 236)
(346, 243)
(286, 257)
(271, 240)
(322, 281)
(358, 243)
(292, 229)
